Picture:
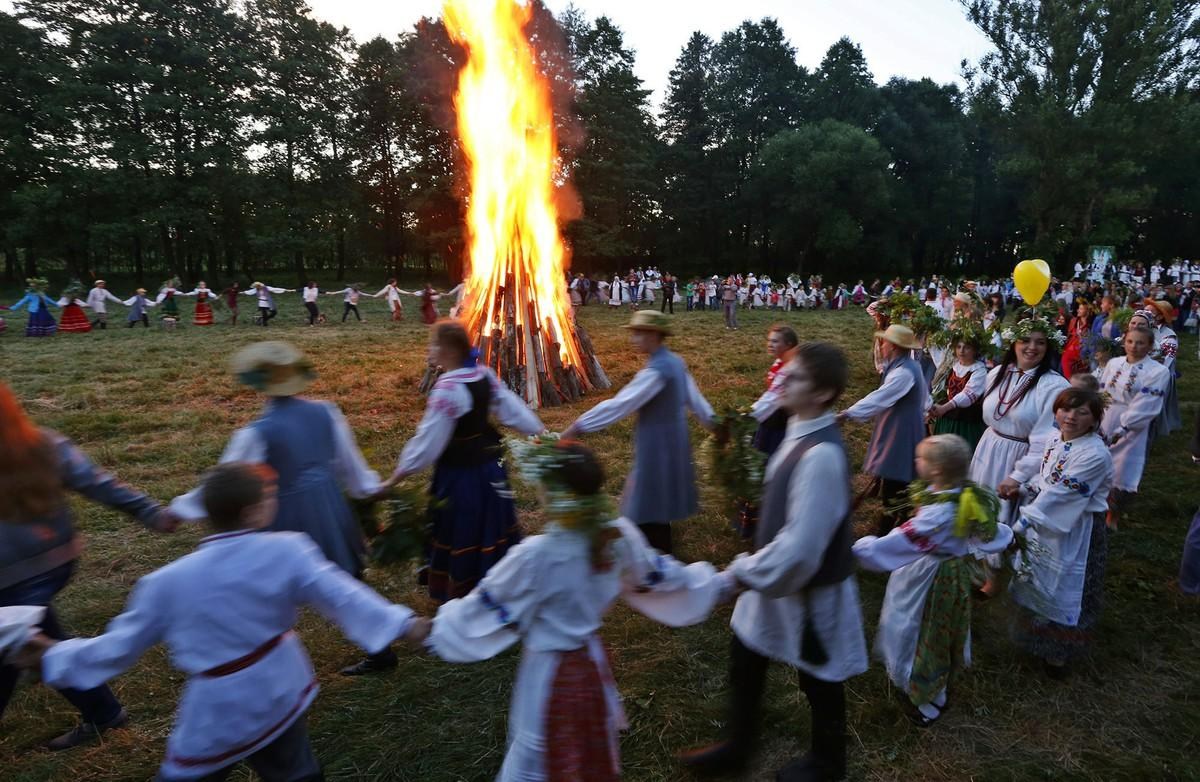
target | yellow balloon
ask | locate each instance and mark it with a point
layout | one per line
(1032, 278)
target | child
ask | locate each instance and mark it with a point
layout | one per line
(138, 304)
(925, 626)
(226, 612)
(551, 592)
(73, 321)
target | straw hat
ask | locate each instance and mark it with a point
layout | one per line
(1164, 308)
(99, 282)
(901, 336)
(274, 368)
(649, 320)
(142, 291)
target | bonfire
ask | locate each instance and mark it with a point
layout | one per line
(516, 304)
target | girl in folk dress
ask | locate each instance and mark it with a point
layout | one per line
(429, 297)
(616, 292)
(73, 320)
(41, 322)
(551, 593)
(204, 313)
(395, 306)
(1066, 539)
(1137, 385)
(473, 518)
(964, 382)
(1076, 354)
(925, 626)
(1165, 351)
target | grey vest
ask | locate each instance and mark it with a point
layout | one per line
(661, 488)
(838, 562)
(898, 429)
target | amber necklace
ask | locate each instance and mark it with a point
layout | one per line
(1009, 392)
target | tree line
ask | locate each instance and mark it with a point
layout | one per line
(218, 139)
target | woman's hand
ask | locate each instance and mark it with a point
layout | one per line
(1009, 489)
(30, 655)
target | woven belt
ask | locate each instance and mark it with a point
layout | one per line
(1010, 437)
(245, 661)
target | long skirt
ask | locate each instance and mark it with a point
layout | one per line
(429, 313)
(1059, 643)
(73, 320)
(204, 316)
(565, 718)
(966, 428)
(474, 524)
(1189, 568)
(41, 324)
(995, 456)
(1168, 419)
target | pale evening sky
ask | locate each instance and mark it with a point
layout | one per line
(910, 38)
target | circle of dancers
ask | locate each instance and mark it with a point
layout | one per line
(1010, 474)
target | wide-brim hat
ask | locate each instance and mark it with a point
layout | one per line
(141, 291)
(1164, 307)
(649, 320)
(901, 336)
(273, 368)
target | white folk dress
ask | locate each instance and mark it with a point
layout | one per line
(235, 596)
(1137, 392)
(546, 594)
(913, 552)
(1070, 488)
(1015, 435)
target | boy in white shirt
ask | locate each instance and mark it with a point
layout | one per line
(226, 612)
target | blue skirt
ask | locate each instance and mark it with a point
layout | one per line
(41, 324)
(315, 505)
(473, 525)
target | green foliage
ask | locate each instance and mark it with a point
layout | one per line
(735, 466)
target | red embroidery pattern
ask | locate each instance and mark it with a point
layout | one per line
(923, 544)
(577, 742)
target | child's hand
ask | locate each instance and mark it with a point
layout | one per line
(418, 630)
(30, 655)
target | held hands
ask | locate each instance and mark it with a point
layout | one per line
(164, 521)
(570, 433)
(1009, 489)
(418, 630)
(30, 655)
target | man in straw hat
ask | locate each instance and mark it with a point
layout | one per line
(898, 407)
(661, 487)
(266, 300)
(308, 443)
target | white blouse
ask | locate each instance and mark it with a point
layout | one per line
(1030, 419)
(976, 384)
(449, 401)
(229, 597)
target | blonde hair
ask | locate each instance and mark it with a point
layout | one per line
(950, 454)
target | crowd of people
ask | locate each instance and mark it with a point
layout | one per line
(73, 319)
(998, 463)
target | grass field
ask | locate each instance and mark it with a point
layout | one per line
(157, 408)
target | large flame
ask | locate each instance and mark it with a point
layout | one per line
(506, 127)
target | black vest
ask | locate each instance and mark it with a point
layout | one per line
(475, 440)
(838, 563)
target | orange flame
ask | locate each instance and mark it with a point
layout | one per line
(506, 127)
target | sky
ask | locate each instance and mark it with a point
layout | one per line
(911, 38)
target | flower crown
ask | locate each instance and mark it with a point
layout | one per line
(537, 460)
(1023, 328)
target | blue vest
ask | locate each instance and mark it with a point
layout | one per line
(299, 436)
(138, 309)
(898, 429)
(661, 487)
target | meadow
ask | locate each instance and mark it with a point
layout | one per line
(158, 407)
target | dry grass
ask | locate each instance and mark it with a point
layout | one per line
(157, 408)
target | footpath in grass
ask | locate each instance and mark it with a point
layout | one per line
(157, 408)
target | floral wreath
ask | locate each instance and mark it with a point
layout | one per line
(962, 329)
(1026, 326)
(538, 459)
(37, 284)
(908, 310)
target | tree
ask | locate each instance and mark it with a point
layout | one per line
(843, 89)
(827, 182)
(1078, 82)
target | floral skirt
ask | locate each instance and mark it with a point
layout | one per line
(473, 525)
(945, 632)
(41, 324)
(1056, 642)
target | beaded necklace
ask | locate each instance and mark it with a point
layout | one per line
(1006, 387)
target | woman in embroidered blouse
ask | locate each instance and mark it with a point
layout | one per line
(551, 593)
(1059, 595)
(474, 521)
(1137, 385)
(964, 382)
(1166, 349)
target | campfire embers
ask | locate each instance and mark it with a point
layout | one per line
(516, 305)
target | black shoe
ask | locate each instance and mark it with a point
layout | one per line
(724, 757)
(86, 733)
(373, 664)
(1058, 672)
(808, 768)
